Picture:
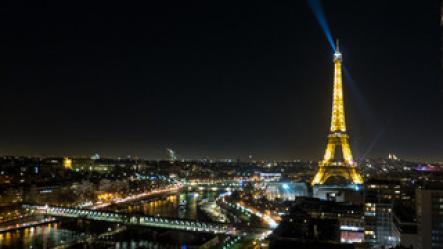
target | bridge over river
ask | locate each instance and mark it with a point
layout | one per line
(129, 219)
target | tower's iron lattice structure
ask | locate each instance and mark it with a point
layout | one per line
(337, 161)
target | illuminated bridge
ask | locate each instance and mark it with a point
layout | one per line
(212, 185)
(129, 219)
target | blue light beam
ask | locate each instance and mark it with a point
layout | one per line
(317, 10)
(361, 101)
(373, 143)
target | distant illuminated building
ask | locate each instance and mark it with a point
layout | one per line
(96, 156)
(428, 168)
(392, 156)
(337, 165)
(269, 177)
(67, 163)
(286, 191)
(172, 157)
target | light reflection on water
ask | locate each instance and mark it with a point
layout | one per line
(183, 205)
(43, 236)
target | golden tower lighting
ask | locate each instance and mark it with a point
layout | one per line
(337, 161)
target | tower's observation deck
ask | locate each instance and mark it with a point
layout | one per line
(337, 161)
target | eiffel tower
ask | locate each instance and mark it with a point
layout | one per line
(337, 166)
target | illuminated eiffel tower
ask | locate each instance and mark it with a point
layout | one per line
(337, 165)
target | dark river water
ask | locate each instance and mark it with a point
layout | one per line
(92, 234)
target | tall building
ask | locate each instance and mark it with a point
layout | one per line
(337, 166)
(172, 157)
(380, 195)
(311, 221)
(429, 205)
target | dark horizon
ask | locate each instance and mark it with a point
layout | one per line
(218, 81)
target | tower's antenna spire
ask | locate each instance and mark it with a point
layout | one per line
(337, 53)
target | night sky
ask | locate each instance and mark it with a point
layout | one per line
(218, 79)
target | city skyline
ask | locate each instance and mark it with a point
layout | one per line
(208, 82)
(308, 124)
